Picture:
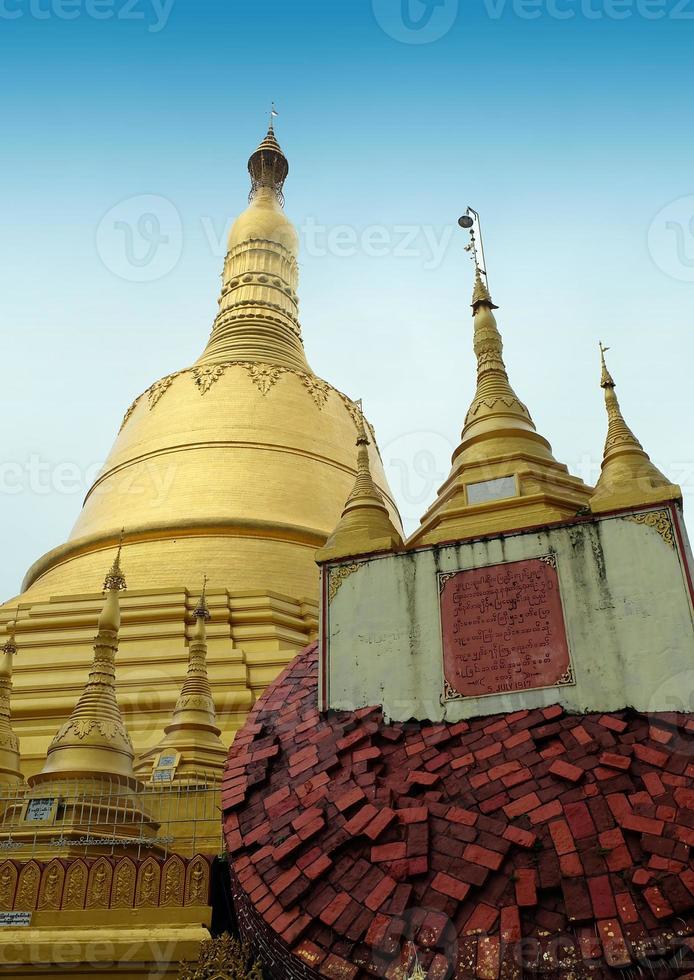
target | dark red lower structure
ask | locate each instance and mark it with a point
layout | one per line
(530, 844)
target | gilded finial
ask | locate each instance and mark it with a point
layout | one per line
(201, 611)
(115, 580)
(606, 380)
(268, 165)
(273, 114)
(362, 437)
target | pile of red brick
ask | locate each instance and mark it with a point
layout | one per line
(530, 843)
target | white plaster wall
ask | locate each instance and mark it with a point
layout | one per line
(626, 606)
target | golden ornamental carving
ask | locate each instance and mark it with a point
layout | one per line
(197, 882)
(82, 727)
(173, 884)
(317, 389)
(491, 403)
(659, 520)
(28, 888)
(124, 884)
(338, 576)
(99, 886)
(75, 890)
(147, 888)
(159, 388)
(51, 888)
(264, 376)
(205, 377)
(8, 740)
(129, 413)
(222, 958)
(8, 884)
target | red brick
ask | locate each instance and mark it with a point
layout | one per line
(526, 884)
(447, 885)
(657, 903)
(464, 817)
(523, 805)
(614, 761)
(380, 823)
(546, 812)
(413, 814)
(561, 837)
(361, 819)
(380, 894)
(651, 756)
(346, 800)
(565, 770)
(601, 896)
(613, 943)
(389, 852)
(614, 724)
(332, 912)
(483, 856)
(510, 926)
(641, 825)
(524, 838)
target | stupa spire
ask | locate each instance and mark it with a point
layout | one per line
(10, 772)
(503, 473)
(628, 477)
(365, 525)
(94, 743)
(258, 317)
(192, 737)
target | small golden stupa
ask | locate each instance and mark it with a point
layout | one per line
(628, 476)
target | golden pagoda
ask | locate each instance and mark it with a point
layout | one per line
(628, 477)
(238, 464)
(503, 474)
(365, 525)
(191, 748)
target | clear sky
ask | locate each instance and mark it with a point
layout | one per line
(566, 123)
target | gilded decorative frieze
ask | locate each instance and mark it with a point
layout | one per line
(147, 887)
(222, 958)
(659, 520)
(264, 376)
(75, 890)
(205, 377)
(124, 884)
(51, 889)
(173, 882)
(197, 882)
(338, 576)
(28, 887)
(99, 885)
(8, 885)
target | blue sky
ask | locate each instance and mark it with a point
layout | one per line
(572, 135)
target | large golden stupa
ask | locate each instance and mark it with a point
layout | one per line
(237, 468)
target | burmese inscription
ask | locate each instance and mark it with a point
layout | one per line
(503, 629)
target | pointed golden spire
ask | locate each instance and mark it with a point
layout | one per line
(94, 743)
(192, 737)
(628, 477)
(258, 317)
(365, 526)
(503, 473)
(10, 772)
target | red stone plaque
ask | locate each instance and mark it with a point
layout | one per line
(503, 629)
